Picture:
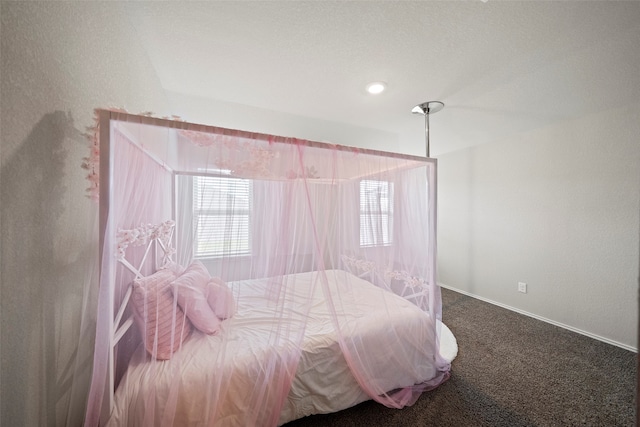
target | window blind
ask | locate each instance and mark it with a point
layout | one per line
(222, 211)
(376, 213)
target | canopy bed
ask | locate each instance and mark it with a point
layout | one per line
(249, 279)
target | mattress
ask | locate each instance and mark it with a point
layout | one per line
(213, 379)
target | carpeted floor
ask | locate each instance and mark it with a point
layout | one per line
(512, 370)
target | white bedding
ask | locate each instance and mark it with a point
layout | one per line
(236, 356)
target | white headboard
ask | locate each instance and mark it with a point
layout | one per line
(157, 241)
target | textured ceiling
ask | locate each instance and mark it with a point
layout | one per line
(500, 67)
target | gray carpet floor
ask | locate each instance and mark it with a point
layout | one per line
(512, 370)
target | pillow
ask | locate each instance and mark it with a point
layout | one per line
(161, 321)
(220, 298)
(190, 290)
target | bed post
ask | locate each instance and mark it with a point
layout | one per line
(433, 229)
(105, 169)
(104, 124)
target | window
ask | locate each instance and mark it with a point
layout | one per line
(222, 216)
(376, 213)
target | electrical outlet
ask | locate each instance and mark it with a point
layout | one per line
(522, 287)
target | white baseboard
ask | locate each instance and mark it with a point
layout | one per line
(544, 319)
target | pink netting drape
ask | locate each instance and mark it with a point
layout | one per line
(291, 278)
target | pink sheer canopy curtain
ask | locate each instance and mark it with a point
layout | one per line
(291, 278)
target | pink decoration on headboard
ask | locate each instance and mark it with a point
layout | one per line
(387, 273)
(141, 235)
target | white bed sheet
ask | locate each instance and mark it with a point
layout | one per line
(322, 383)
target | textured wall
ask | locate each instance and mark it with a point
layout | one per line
(557, 208)
(238, 116)
(60, 60)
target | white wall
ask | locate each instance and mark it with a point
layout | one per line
(238, 116)
(60, 60)
(557, 208)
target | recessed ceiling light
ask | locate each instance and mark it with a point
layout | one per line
(376, 87)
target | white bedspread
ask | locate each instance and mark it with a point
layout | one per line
(234, 360)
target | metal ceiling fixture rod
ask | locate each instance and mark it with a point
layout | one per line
(426, 109)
